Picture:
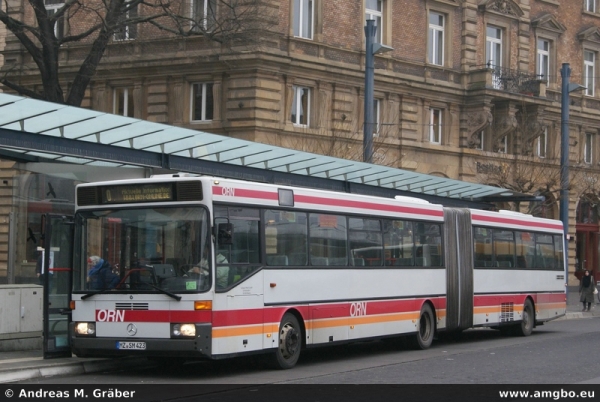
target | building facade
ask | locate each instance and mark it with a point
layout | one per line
(471, 89)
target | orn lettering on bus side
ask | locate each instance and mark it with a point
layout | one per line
(110, 315)
(228, 191)
(358, 309)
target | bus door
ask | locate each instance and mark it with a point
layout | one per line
(57, 257)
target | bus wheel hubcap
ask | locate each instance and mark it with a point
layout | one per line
(289, 341)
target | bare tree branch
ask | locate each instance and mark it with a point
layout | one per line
(96, 22)
(22, 90)
(519, 167)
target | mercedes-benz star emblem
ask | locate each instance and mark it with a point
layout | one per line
(131, 329)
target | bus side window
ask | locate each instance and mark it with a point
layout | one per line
(482, 242)
(238, 242)
(286, 237)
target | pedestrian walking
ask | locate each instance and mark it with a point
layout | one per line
(586, 290)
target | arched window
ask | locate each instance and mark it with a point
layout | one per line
(587, 209)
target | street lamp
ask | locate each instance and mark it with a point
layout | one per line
(372, 49)
(567, 88)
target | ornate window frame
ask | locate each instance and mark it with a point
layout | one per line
(549, 29)
(447, 9)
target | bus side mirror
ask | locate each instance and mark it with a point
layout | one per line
(225, 234)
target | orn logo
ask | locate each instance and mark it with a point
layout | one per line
(110, 315)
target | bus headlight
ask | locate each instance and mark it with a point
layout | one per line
(85, 328)
(183, 330)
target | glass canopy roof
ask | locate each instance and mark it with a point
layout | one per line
(52, 122)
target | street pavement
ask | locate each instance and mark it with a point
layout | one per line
(28, 364)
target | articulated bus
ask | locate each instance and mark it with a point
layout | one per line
(215, 268)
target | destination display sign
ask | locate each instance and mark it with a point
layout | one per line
(137, 193)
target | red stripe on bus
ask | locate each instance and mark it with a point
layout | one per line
(366, 205)
(308, 199)
(180, 316)
(238, 317)
(313, 312)
(494, 300)
(322, 311)
(246, 193)
(509, 221)
(268, 314)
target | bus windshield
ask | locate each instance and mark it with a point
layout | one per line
(143, 250)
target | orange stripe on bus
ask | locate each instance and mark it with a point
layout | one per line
(320, 324)
(239, 331)
(495, 309)
(518, 309)
(546, 306)
(361, 320)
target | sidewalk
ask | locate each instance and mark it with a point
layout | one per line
(24, 365)
(574, 306)
(28, 364)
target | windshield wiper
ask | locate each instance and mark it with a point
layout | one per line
(90, 294)
(174, 296)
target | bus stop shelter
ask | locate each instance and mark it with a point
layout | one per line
(59, 141)
(33, 131)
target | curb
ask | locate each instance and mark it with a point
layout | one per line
(69, 368)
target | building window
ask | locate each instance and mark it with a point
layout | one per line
(435, 126)
(52, 6)
(123, 101)
(376, 117)
(204, 15)
(301, 106)
(543, 59)
(589, 67)
(303, 18)
(436, 38)
(503, 145)
(590, 6)
(480, 138)
(587, 148)
(493, 50)
(374, 11)
(202, 102)
(125, 29)
(542, 143)
(493, 53)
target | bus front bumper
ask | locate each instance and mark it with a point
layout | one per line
(197, 347)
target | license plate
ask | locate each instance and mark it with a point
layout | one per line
(131, 345)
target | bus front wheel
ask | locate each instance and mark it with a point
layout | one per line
(290, 342)
(425, 328)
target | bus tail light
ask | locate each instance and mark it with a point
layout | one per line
(183, 330)
(72, 304)
(85, 328)
(203, 305)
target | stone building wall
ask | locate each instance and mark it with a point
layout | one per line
(252, 89)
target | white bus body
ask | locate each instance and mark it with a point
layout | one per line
(304, 268)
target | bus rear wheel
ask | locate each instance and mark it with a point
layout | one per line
(425, 328)
(525, 327)
(290, 343)
(527, 319)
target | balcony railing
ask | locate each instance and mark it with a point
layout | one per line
(509, 80)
